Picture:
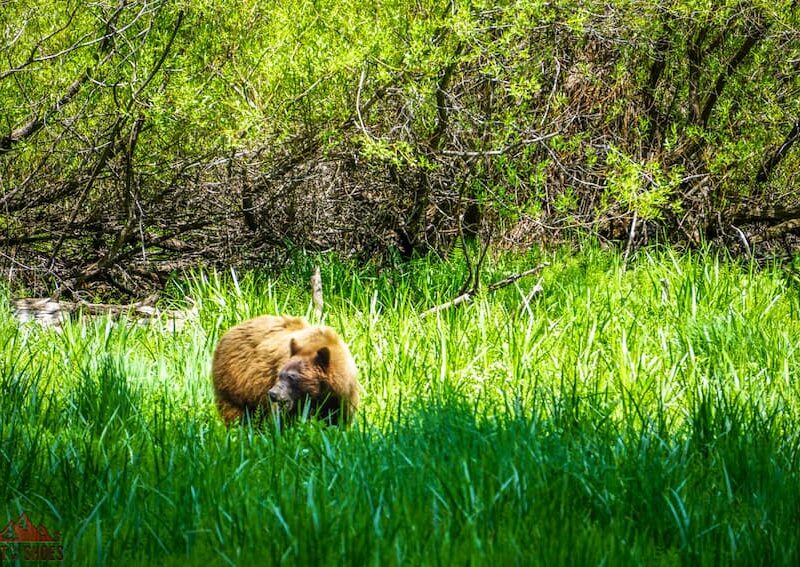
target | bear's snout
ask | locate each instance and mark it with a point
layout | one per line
(279, 393)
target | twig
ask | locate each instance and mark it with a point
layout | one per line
(463, 298)
(500, 151)
(358, 104)
(512, 278)
(743, 238)
(631, 236)
(467, 296)
(316, 293)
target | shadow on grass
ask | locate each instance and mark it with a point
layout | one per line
(130, 473)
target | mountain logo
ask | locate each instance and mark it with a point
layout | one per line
(22, 539)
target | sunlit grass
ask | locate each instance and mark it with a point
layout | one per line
(642, 414)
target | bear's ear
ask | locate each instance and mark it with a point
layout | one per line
(293, 348)
(323, 358)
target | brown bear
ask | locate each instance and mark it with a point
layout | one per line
(270, 364)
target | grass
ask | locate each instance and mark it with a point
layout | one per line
(609, 421)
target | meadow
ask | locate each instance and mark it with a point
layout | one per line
(646, 413)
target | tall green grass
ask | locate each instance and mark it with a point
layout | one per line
(615, 419)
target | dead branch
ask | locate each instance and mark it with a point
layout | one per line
(512, 278)
(766, 214)
(463, 298)
(776, 231)
(526, 299)
(316, 293)
(743, 238)
(631, 237)
(37, 121)
(467, 297)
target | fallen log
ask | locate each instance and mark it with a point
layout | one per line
(49, 312)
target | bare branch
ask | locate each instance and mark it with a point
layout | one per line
(631, 236)
(468, 296)
(776, 158)
(744, 50)
(38, 119)
(513, 278)
(358, 105)
(463, 298)
(743, 238)
(316, 293)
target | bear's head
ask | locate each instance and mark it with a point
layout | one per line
(314, 380)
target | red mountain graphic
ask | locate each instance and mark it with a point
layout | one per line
(24, 531)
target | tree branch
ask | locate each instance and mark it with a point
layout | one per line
(466, 297)
(37, 121)
(775, 159)
(752, 39)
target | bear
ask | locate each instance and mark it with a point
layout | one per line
(281, 364)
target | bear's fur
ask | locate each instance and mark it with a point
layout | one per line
(281, 363)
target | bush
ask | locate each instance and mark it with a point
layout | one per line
(145, 137)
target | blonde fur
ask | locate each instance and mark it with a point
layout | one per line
(250, 356)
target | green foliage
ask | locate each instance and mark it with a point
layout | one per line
(584, 111)
(640, 414)
(642, 188)
(244, 75)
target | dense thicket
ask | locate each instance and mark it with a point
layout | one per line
(139, 137)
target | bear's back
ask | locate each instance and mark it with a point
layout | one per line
(249, 356)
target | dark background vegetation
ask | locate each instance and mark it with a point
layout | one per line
(143, 137)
